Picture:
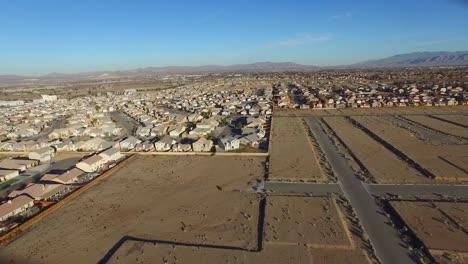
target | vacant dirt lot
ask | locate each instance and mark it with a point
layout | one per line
(460, 162)
(198, 200)
(458, 119)
(382, 164)
(311, 221)
(137, 252)
(438, 125)
(426, 155)
(373, 111)
(294, 154)
(441, 226)
(297, 230)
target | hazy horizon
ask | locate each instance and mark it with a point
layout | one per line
(71, 37)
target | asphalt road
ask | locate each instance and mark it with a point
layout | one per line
(384, 238)
(299, 187)
(418, 189)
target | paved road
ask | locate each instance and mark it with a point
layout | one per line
(299, 187)
(385, 239)
(418, 189)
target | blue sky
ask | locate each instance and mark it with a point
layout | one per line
(43, 36)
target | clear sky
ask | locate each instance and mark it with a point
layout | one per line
(43, 36)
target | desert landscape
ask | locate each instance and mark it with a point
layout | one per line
(294, 154)
(176, 210)
(438, 125)
(382, 165)
(426, 157)
(190, 200)
(440, 226)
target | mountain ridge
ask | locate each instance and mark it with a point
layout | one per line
(414, 59)
(435, 58)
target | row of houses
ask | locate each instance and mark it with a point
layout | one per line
(49, 186)
(10, 168)
(53, 186)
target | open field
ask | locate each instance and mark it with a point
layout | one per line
(428, 157)
(426, 134)
(455, 110)
(293, 153)
(137, 252)
(172, 210)
(190, 200)
(438, 125)
(382, 164)
(440, 226)
(311, 221)
(460, 162)
(457, 119)
(297, 230)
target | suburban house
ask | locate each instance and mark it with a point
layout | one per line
(229, 143)
(15, 206)
(111, 154)
(48, 177)
(18, 164)
(179, 147)
(202, 145)
(145, 146)
(177, 131)
(159, 130)
(42, 154)
(129, 143)
(93, 144)
(5, 175)
(164, 144)
(6, 146)
(143, 131)
(68, 177)
(91, 164)
(38, 191)
(250, 140)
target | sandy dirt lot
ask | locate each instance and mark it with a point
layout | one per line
(441, 256)
(199, 200)
(294, 154)
(439, 226)
(382, 164)
(373, 111)
(137, 252)
(311, 221)
(459, 119)
(426, 134)
(438, 125)
(460, 162)
(307, 230)
(428, 156)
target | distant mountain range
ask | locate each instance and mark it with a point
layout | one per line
(416, 59)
